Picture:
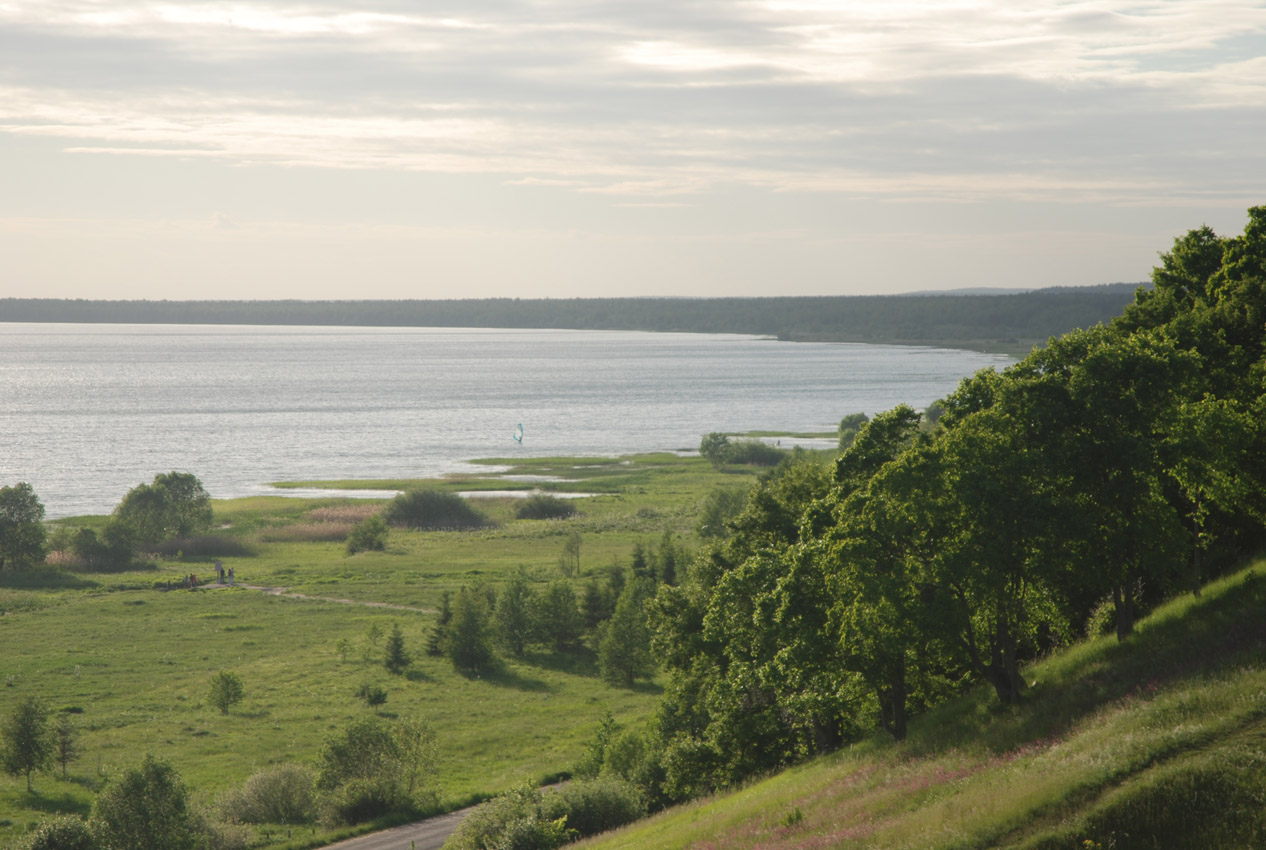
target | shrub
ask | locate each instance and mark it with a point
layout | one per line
(368, 535)
(372, 694)
(61, 833)
(755, 453)
(361, 800)
(541, 506)
(596, 805)
(204, 546)
(282, 794)
(511, 820)
(433, 510)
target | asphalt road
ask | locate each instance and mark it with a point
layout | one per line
(427, 834)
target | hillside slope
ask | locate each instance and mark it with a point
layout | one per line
(1157, 742)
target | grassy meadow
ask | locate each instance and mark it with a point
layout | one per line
(130, 662)
(1159, 742)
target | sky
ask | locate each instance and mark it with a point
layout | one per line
(521, 148)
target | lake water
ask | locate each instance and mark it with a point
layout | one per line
(89, 411)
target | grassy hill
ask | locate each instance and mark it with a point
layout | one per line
(1159, 742)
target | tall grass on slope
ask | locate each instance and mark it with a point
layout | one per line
(1157, 742)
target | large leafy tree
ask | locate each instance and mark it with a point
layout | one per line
(22, 537)
(146, 808)
(174, 505)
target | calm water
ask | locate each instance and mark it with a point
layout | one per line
(89, 411)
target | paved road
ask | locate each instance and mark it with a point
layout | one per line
(427, 834)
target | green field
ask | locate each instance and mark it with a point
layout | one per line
(130, 662)
(1158, 742)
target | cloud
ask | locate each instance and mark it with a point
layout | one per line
(1080, 101)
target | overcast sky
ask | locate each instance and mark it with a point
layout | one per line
(392, 149)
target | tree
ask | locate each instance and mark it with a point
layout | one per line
(848, 428)
(468, 639)
(513, 614)
(26, 739)
(226, 691)
(719, 507)
(569, 560)
(174, 505)
(624, 647)
(22, 538)
(368, 535)
(438, 639)
(557, 617)
(395, 658)
(146, 808)
(371, 767)
(65, 742)
(715, 448)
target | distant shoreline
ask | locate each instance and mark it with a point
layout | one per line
(1009, 323)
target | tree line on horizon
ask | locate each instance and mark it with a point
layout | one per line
(1016, 318)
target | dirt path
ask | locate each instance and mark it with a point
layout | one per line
(281, 591)
(429, 834)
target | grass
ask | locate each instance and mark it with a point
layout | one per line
(131, 663)
(1158, 742)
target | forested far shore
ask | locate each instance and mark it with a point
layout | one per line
(1012, 322)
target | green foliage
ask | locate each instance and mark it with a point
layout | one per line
(542, 506)
(715, 448)
(720, 506)
(557, 619)
(434, 510)
(468, 637)
(226, 691)
(569, 560)
(61, 833)
(174, 505)
(65, 742)
(368, 535)
(146, 808)
(281, 794)
(514, 617)
(26, 741)
(395, 657)
(371, 768)
(22, 538)
(624, 643)
(372, 694)
(754, 453)
(848, 428)
(530, 819)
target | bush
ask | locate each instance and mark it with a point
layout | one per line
(281, 794)
(596, 805)
(61, 833)
(361, 800)
(755, 453)
(512, 820)
(204, 546)
(308, 532)
(433, 510)
(369, 535)
(542, 506)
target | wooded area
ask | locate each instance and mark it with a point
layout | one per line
(1013, 320)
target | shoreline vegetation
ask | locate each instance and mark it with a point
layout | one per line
(1008, 323)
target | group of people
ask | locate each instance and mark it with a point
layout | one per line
(221, 577)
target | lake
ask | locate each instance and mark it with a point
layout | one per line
(89, 411)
